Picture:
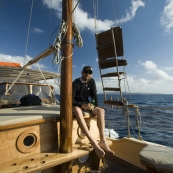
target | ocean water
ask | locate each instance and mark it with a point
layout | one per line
(156, 117)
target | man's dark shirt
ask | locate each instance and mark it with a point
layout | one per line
(82, 92)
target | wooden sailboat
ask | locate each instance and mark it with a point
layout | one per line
(44, 137)
(47, 138)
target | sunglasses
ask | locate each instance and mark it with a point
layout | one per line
(88, 72)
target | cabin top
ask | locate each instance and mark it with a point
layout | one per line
(28, 83)
(28, 113)
(9, 72)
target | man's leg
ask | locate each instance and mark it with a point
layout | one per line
(101, 126)
(82, 124)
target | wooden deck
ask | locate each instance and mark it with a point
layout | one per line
(27, 115)
(42, 122)
(42, 161)
(29, 137)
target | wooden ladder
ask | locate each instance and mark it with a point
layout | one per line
(109, 49)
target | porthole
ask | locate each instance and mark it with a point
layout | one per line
(28, 141)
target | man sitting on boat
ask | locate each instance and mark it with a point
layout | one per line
(83, 88)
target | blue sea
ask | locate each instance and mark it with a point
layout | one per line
(156, 115)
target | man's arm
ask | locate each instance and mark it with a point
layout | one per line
(94, 93)
(74, 92)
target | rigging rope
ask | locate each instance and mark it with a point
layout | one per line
(126, 114)
(77, 36)
(95, 15)
(113, 10)
(15, 81)
(58, 40)
(118, 12)
(57, 59)
(47, 83)
(28, 31)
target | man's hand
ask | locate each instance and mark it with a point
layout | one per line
(88, 106)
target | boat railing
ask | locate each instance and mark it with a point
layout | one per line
(153, 124)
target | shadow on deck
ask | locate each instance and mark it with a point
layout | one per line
(116, 165)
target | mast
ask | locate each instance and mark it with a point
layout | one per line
(66, 82)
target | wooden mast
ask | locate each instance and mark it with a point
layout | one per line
(66, 88)
(66, 82)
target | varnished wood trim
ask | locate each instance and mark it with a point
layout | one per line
(40, 121)
(42, 55)
(28, 123)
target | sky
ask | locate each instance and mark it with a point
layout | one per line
(28, 27)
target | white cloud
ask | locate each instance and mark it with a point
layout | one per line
(156, 81)
(149, 65)
(84, 21)
(154, 72)
(54, 4)
(169, 68)
(38, 30)
(130, 14)
(167, 16)
(19, 59)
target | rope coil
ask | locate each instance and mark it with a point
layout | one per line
(77, 36)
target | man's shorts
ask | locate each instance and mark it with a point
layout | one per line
(87, 110)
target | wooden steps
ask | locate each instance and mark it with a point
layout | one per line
(112, 63)
(118, 103)
(114, 74)
(110, 55)
(105, 45)
(42, 161)
(111, 89)
(112, 102)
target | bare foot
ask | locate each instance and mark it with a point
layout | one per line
(105, 147)
(100, 152)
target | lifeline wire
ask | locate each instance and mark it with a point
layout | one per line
(28, 31)
(1, 4)
(25, 51)
(73, 10)
(50, 23)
